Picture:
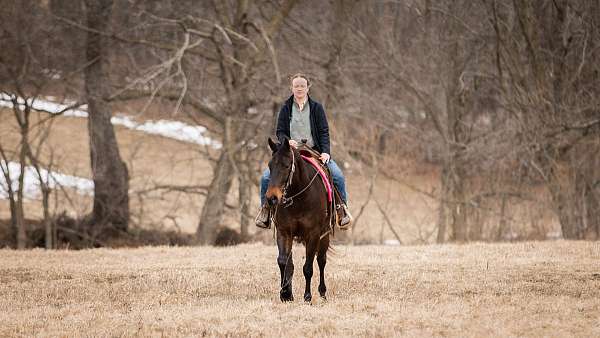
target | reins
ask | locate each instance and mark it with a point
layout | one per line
(287, 201)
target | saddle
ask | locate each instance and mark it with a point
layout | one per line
(336, 202)
(307, 151)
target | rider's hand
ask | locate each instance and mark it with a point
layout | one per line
(294, 143)
(324, 157)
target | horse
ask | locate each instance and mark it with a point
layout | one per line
(299, 211)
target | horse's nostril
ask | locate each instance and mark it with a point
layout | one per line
(272, 201)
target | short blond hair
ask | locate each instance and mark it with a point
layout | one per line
(300, 75)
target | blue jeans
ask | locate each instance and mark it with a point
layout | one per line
(338, 180)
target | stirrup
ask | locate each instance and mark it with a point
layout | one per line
(346, 220)
(262, 220)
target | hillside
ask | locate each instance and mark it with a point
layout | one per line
(155, 160)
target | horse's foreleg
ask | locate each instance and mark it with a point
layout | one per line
(322, 260)
(311, 250)
(286, 266)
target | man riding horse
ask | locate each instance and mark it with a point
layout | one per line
(302, 118)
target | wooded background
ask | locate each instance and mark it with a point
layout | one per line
(499, 100)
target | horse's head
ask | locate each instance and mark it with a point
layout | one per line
(281, 168)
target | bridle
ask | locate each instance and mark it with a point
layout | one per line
(287, 201)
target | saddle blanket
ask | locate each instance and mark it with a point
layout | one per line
(317, 166)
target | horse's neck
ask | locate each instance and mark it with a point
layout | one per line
(300, 178)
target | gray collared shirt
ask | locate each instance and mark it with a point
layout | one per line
(300, 124)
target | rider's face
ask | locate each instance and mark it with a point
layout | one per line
(299, 87)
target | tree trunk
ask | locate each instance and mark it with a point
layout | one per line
(11, 193)
(47, 222)
(592, 213)
(476, 218)
(569, 217)
(23, 121)
(111, 179)
(577, 205)
(212, 212)
(452, 69)
(245, 193)
(333, 72)
(20, 214)
(455, 163)
(245, 196)
(459, 207)
(49, 243)
(567, 200)
(442, 219)
(502, 223)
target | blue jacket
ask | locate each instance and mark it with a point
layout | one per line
(319, 129)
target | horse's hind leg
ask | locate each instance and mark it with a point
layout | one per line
(286, 266)
(311, 250)
(322, 260)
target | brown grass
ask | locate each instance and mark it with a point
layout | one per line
(525, 289)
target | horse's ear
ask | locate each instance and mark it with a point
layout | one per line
(286, 142)
(272, 145)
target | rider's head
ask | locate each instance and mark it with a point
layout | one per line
(300, 84)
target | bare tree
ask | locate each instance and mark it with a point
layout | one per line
(243, 46)
(436, 71)
(111, 179)
(544, 53)
(25, 76)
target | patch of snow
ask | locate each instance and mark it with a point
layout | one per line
(31, 182)
(53, 73)
(167, 128)
(402, 112)
(510, 236)
(554, 235)
(177, 130)
(123, 120)
(486, 120)
(393, 242)
(44, 105)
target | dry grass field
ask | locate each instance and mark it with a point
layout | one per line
(524, 289)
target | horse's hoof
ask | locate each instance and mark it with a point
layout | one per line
(286, 299)
(286, 296)
(324, 298)
(307, 298)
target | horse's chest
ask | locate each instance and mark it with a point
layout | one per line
(295, 221)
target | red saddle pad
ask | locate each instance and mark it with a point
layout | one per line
(314, 163)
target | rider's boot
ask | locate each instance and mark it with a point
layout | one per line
(344, 216)
(263, 218)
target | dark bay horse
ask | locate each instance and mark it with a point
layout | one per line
(299, 209)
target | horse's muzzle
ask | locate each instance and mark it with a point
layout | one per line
(274, 196)
(272, 201)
